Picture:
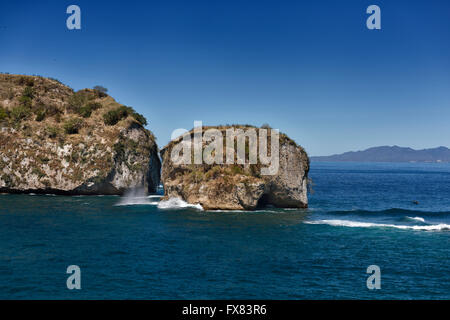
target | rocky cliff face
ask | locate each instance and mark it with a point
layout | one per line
(238, 187)
(55, 140)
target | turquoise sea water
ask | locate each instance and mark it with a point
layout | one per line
(128, 248)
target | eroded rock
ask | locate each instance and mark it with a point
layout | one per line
(40, 153)
(237, 186)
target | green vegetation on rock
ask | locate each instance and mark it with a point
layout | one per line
(73, 125)
(100, 91)
(52, 132)
(112, 117)
(3, 114)
(44, 111)
(20, 113)
(86, 110)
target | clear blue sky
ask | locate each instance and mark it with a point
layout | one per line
(311, 69)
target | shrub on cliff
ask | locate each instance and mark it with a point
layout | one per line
(86, 110)
(73, 125)
(40, 114)
(25, 80)
(52, 132)
(8, 180)
(25, 101)
(81, 103)
(3, 114)
(139, 118)
(28, 92)
(76, 101)
(100, 91)
(52, 110)
(20, 113)
(113, 116)
(43, 111)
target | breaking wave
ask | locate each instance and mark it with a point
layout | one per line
(403, 219)
(420, 219)
(359, 224)
(177, 203)
(392, 212)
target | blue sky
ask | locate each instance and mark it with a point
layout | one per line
(311, 69)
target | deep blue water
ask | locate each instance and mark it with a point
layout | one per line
(360, 215)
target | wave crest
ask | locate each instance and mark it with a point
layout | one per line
(358, 224)
(392, 211)
(420, 219)
(177, 203)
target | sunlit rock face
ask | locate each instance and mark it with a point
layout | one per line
(41, 153)
(237, 186)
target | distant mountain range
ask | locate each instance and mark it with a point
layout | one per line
(390, 154)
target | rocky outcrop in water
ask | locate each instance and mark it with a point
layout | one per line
(237, 186)
(55, 140)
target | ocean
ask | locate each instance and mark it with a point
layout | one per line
(395, 216)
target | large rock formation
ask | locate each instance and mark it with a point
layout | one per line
(237, 186)
(55, 140)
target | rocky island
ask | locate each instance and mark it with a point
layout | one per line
(55, 140)
(237, 186)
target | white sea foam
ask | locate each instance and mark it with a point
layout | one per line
(416, 219)
(244, 211)
(177, 203)
(349, 223)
